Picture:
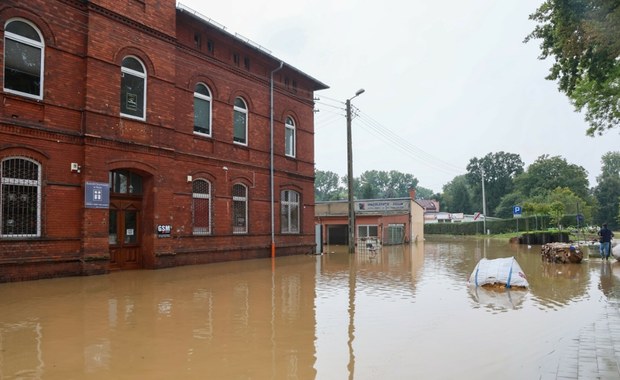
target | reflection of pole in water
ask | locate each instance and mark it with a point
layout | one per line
(352, 284)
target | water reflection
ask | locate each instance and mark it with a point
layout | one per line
(398, 314)
(498, 300)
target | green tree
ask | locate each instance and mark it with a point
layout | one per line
(557, 212)
(548, 173)
(456, 196)
(424, 193)
(572, 203)
(504, 208)
(374, 184)
(607, 191)
(499, 170)
(583, 37)
(326, 186)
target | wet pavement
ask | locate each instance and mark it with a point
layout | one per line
(595, 353)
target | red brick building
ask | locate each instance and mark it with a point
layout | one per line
(140, 134)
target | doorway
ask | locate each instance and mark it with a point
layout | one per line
(124, 236)
(125, 226)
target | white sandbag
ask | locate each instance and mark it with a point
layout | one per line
(615, 251)
(503, 271)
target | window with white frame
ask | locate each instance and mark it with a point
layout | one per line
(20, 192)
(133, 89)
(289, 212)
(240, 209)
(202, 110)
(367, 231)
(201, 207)
(240, 127)
(23, 59)
(289, 137)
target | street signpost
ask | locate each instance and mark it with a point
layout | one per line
(516, 213)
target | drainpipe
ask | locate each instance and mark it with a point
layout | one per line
(273, 239)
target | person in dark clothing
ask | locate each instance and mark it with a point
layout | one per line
(605, 235)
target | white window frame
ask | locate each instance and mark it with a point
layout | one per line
(208, 99)
(32, 43)
(143, 75)
(290, 137)
(289, 201)
(196, 197)
(5, 181)
(240, 199)
(237, 109)
(366, 228)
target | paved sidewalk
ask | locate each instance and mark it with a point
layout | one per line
(595, 353)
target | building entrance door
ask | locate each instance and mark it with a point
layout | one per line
(124, 236)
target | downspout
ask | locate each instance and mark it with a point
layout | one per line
(273, 238)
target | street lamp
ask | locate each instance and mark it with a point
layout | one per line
(350, 174)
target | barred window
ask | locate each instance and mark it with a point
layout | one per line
(289, 212)
(289, 137)
(20, 192)
(23, 59)
(240, 209)
(201, 207)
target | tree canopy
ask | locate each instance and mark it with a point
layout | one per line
(583, 36)
(499, 170)
(371, 184)
(607, 192)
(548, 173)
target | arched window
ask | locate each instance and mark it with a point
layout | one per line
(240, 127)
(240, 209)
(289, 137)
(133, 89)
(20, 192)
(202, 110)
(201, 207)
(289, 212)
(23, 59)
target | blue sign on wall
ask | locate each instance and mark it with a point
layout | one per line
(97, 195)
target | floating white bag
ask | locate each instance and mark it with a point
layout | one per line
(504, 271)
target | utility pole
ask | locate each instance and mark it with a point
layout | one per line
(484, 205)
(351, 223)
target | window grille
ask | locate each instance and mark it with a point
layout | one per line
(240, 209)
(201, 207)
(20, 192)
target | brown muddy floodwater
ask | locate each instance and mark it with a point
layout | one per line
(407, 313)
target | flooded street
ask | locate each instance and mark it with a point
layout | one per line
(402, 314)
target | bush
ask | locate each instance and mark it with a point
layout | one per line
(530, 223)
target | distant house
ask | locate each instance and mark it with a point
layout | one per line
(390, 221)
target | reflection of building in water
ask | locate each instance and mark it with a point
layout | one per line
(21, 350)
(221, 321)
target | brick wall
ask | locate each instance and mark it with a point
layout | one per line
(78, 121)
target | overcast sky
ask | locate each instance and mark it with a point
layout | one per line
(444, 80)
